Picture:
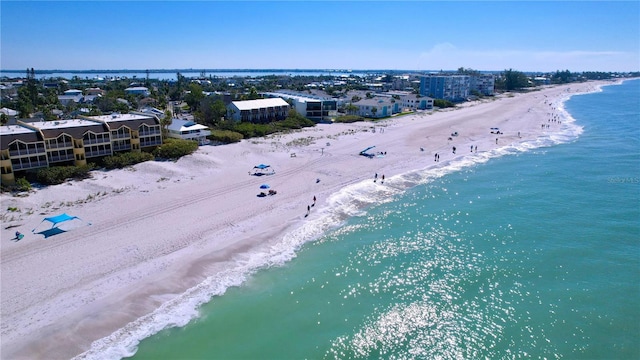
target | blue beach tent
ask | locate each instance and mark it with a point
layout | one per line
(55, 221)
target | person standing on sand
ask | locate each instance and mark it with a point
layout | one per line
(375, 177)
(454, 149)
(382, 182)
(496, 140)
(435, 157)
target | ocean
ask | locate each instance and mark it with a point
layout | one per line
(529, 251)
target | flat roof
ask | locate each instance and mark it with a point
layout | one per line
(122, 117)
(259, 103)
(58, 124)
(14, 129)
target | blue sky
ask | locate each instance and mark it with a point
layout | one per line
(411, 35)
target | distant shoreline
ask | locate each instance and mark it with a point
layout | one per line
(192, 70)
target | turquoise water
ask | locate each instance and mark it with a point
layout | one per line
(522, 254)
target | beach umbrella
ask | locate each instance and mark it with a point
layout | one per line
(264, 186)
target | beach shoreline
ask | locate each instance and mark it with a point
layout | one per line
(161, 229)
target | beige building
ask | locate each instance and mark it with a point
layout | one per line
(31, 145)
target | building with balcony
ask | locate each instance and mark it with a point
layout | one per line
(188, 130)
(312, 107)
(259, 110)
(484, 84)
(377, 107)
(133, 131)
(447, 87)
(31, 145)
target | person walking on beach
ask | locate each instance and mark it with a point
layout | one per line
(471, 148)
(382, 179)
(476, 149)
(314, 200)
(375, 177)
(435, 157)
(496, 140)
(454, 149)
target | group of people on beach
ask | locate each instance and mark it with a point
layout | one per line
(310, 206)
(375, 178)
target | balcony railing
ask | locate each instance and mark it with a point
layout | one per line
(60, 145)
(120, 136)
(25, 152)
(97, 153)
(96, 141)
(60, 158)
(29, 165)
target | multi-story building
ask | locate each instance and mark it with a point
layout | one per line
(312, 107)
(410, 101)
(484, 84)
(449, 87)
(377, 107)
(32, 145)
(259, 110)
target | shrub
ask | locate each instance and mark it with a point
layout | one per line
(441, 103)
(349, 119)
(58, 174)
(225, 136)
(22, 184)
(119, 161)
(175, 148)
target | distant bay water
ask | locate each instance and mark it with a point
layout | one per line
(190, 73)
(531, 251)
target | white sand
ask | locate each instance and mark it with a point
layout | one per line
(160, 228)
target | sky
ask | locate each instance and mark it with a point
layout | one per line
(539, 36)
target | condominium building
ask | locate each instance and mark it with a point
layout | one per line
(484, 84)
(31, 145)
(450, 87)
(312, 107)
(259, 110)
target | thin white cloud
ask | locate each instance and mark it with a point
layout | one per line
(447, 56)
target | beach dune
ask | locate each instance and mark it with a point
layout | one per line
(151, 232)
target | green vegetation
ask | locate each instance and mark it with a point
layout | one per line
(59, 174)
(225, 136)
(20, 185)
(175, 148)
(349, 119)
(441, 103)
(512, 80)
(250, 130)
(121, 160)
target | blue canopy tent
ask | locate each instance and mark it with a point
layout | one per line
(262, 169)
(55, 221)
(365, 153)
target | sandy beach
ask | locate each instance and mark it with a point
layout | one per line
(149, 233)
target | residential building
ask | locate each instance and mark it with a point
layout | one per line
(188, 130)
(484, 84)
(447, 87)
(259, 110)
(312, 107)
(377, 107)
(133, 131)
(410, 101)
(137, 90)
(32, 145)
